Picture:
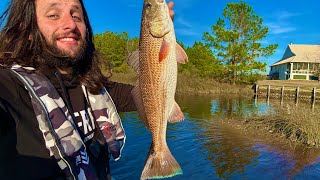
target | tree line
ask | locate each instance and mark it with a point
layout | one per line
(228, 53)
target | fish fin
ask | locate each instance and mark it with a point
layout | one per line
(176, 114)
(160, 164)
(164, 50)
(139, 104)
(181, 55)
(133, 60)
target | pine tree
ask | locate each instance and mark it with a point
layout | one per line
(236, 40)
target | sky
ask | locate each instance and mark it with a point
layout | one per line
(289, 21)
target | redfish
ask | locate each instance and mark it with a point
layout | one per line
(156, 65)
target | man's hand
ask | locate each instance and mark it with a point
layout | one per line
(171, 12)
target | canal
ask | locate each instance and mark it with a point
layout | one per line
(207, 146)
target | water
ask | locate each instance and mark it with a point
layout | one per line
(207, 147)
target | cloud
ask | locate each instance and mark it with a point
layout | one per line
(185, 28)
(279, 28)
(187, 32)
(281, 22)
(284, 15)
(181, 22)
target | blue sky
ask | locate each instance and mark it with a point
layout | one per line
(288, 21)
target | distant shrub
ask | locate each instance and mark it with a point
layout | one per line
(299, 77)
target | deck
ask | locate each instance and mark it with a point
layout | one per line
(308, 91)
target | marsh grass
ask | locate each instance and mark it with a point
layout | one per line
(198, 85)
(299, 124)
(192, 84)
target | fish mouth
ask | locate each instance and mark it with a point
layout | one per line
(160, 1)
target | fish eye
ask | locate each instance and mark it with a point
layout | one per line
(148, 5)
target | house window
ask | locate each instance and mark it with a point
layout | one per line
(314, 66)
(300, 66)
(304, 66)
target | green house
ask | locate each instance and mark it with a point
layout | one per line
(298, 62)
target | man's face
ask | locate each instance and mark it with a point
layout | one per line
(62, 24)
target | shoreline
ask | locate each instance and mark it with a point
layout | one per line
(187, 84)
(300, 126)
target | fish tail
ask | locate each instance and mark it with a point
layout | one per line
(160, 164)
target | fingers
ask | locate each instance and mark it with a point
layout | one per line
(170, 6)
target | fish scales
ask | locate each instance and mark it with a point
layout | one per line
(155, 91)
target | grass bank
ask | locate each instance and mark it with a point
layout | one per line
(301, 125)
(193, 84)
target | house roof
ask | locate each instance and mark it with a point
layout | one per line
(300, 53)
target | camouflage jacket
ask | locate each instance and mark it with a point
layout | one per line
(59, 131)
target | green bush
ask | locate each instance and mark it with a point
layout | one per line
(299, 77)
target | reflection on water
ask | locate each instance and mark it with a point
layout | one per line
(227, 151)
(231, 107)
(208, 148)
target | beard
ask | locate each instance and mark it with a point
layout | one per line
(52, 56)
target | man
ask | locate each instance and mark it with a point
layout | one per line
(57, 120)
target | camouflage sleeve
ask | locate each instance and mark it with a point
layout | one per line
(121, 96)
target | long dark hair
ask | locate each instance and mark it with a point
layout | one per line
(22, 42)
